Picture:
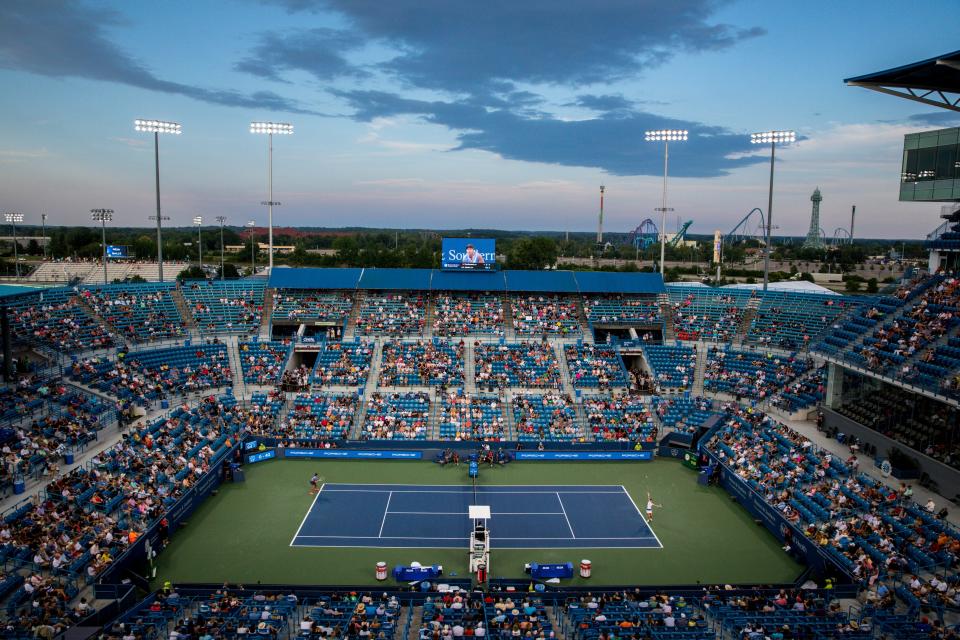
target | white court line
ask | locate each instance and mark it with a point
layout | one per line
(545, 487)
(466, 537)
(307, 514)
(464, 513)
(640, 513)
(408, 548)
(386, 510)
(560, 500)
(532, 493)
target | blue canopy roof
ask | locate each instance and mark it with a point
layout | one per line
(396, 279)
(587, 282)
(610, 282)
(314, 278)
(468, 281)
(552, 281)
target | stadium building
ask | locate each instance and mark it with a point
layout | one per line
(396, 453)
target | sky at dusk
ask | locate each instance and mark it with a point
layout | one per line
(448, 114)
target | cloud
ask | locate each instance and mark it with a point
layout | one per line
(602, 142)
(316, 51)
(8, 156)
(57, 38)
(602, 103)
(468, 47)
(936, 118)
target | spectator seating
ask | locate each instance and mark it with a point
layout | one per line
(464, 417)
(225, 306)
(704, 313)
(141, 312)
(794, 614)
(320, 416)
(619, 419)
(397, 416)
(52, 319)
(672, 367)
(790, 320)
(467, 314)
(343, 363)
(623, 310)
(659, 617)
(683, 413)
(312, 305)
(802, 393)
(150, 375)
(810, 487)
(263, 362)
(593, 366)
(545, 314)
(527, 364)
(433, 363)
(392, 314)
(748, 374)
(544, 418)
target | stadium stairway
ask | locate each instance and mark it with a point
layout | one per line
(666, 312)
(428, 315)
(236, 370)
(469, 373)
(582, 319)
(508, 331)
(565, 380)
(350, 331)
(746, 320)
(189, 322)
(700, 371)
(90, 311)
(266, 318)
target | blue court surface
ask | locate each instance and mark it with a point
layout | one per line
(435, 517)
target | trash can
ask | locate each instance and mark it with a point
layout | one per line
(381, 571)
(68, 457)
(19, 486)
(585, 567)
(164, 404)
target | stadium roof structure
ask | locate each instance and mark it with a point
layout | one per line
(801, 286)
(590, 282)
(929, 81)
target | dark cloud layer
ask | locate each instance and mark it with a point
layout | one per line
(614, 142)
(64, 39)
(319, 52)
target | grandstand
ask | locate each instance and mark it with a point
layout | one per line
(404, 366)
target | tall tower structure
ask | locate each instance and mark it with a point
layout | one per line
(600, 222)
(813, 240)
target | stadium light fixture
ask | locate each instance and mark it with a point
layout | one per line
(103, 216)
(221, 220)
(43, 233)
(156, 127)
(198, 220)
(253, 248)
(771, 138)
(666, 136)
(271, 128)
(14, 218)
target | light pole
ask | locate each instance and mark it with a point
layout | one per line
(156, 127)
(221, 220)
(666, 136)
(14, 218)
(270, 128)
(103, 216)
(198, 220)
(253, 248)
(771, 137)
(43, 234)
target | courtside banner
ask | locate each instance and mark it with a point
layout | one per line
(469, 254)
(261, 456)
(352, 454)
(584, 455)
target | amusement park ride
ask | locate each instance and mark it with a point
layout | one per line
(647, 235)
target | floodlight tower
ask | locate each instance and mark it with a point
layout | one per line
(666, 136)
(771, 137)
(103, 216)
(43, 233)
(198, 220)
(221, 220)
(14, 218)
(270, 128)
(600, 222)
(156, 127)
(253, 248)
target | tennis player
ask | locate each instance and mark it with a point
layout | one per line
(314, 484)
(650, 505)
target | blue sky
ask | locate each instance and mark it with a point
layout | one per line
(445, 114)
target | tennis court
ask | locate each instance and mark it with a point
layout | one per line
(435, 517)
